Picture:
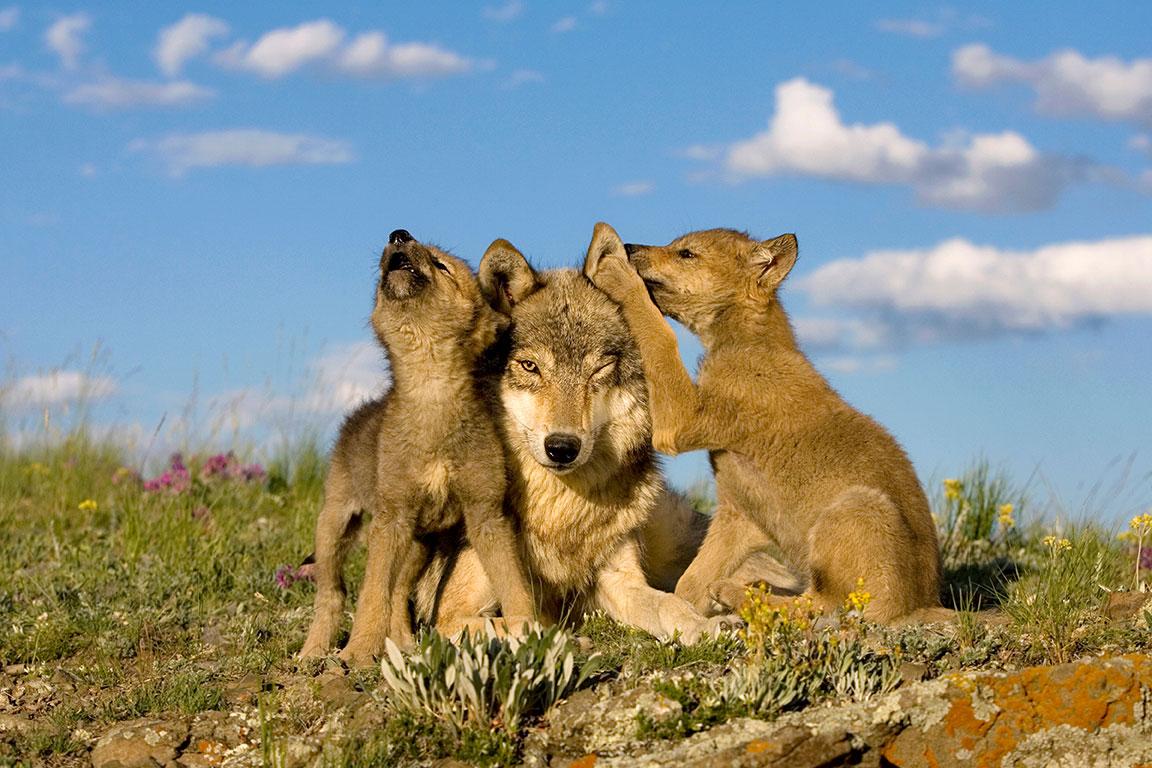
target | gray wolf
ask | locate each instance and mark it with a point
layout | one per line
(596, 526)
(793, 462)
(419, 459)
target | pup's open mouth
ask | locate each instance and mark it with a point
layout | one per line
(400, 261)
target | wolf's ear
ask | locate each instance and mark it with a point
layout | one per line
(773, 259)
(505, 276)
(605, 241)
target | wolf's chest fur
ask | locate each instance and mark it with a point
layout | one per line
(568, 533)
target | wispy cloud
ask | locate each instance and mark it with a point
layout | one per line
(911, 27)
(65, 38)
(1066, 84)
(566, 24)
(944, 21)
(960, 290)
(243, 147)
(634, 189)
(999, 172)
(56, 388)
(116, 93)
(509, 11)
(9, 18)
(520, 77)
(185, 40)
(322, 43)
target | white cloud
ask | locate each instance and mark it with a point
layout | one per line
(911, 27)
(370, 55)
(66, 38)
(1066, 83)
(185, 40)
(115, 93)
(521, 77)
(957, 289)
(56, 388)
(831, 334)
(88, 170)
(599, 7)
(505, 13)
(566, 24)
(9, 18)
(852, 364)
(986, 172)
(283, 51)
(243, 147)
(634, 189)
(286, 50)
(1141, 142)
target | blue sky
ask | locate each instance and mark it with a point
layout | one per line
(192, 200)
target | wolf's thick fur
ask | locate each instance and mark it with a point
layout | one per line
(583, 484)
(792, 460)
(420, 459)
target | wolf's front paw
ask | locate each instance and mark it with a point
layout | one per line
(695, 594)
(616, 277)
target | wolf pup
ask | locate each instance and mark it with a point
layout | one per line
(593, 513)
(418, 459)
(792, 460)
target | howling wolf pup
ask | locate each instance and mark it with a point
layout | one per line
(793, 462)
(419, 459)
(596, 525)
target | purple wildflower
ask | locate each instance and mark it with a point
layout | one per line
(286, 575)
(176, 479)
(252, 473)
(1146, 558)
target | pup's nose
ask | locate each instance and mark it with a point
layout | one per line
(631, 248)
(400, 236)
(561, 448)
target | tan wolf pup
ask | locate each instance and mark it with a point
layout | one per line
(792, 460)
(596, 525)
(418, 459)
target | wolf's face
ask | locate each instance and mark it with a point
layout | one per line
(424, 292)
(573, 388)
(697, 276)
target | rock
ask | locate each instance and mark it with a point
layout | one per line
(1123, 606)
(1087, 713)
(14, 723)
(140, 743)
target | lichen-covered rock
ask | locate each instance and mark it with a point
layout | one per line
(140, 743)
(1089, 713)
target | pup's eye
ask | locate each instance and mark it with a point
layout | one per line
(529, 366)
(686, 254)
(439, 265)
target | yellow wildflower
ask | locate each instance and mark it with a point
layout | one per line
(1005, 515)
(1057, 544)
(88, 505)
(36, 468)
(858, 598)
(1126, 536)
(1142, 523)
(952, 489)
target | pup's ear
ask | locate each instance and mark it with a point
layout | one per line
(605, 241)
(773, 259)
(505, 276)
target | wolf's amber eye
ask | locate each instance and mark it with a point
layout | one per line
(686, 254)
(529, 366)
(439, 265)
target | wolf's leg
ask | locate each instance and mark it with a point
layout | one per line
(404, 574)
(758, 568)
(389, 538)
(623, 593)
(466, 597)
(731, 538)
(861, 535)
(492, 537)
(336, 528)
(679, 420)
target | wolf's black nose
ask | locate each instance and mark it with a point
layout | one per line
(561, 448)
(400, 236)
(631, 248)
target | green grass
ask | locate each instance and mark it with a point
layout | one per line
(118, 603)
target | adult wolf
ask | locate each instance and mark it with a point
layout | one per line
(418, 460)
(793, 461)
(596, 525)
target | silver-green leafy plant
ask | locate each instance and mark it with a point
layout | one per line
(485, 679)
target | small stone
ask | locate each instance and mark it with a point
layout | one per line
(141, 743)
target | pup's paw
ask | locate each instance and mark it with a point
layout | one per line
(612, 274)
(728, 594)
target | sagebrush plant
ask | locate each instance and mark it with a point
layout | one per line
(485, 679)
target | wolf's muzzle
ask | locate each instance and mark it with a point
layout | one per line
(400, 236)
